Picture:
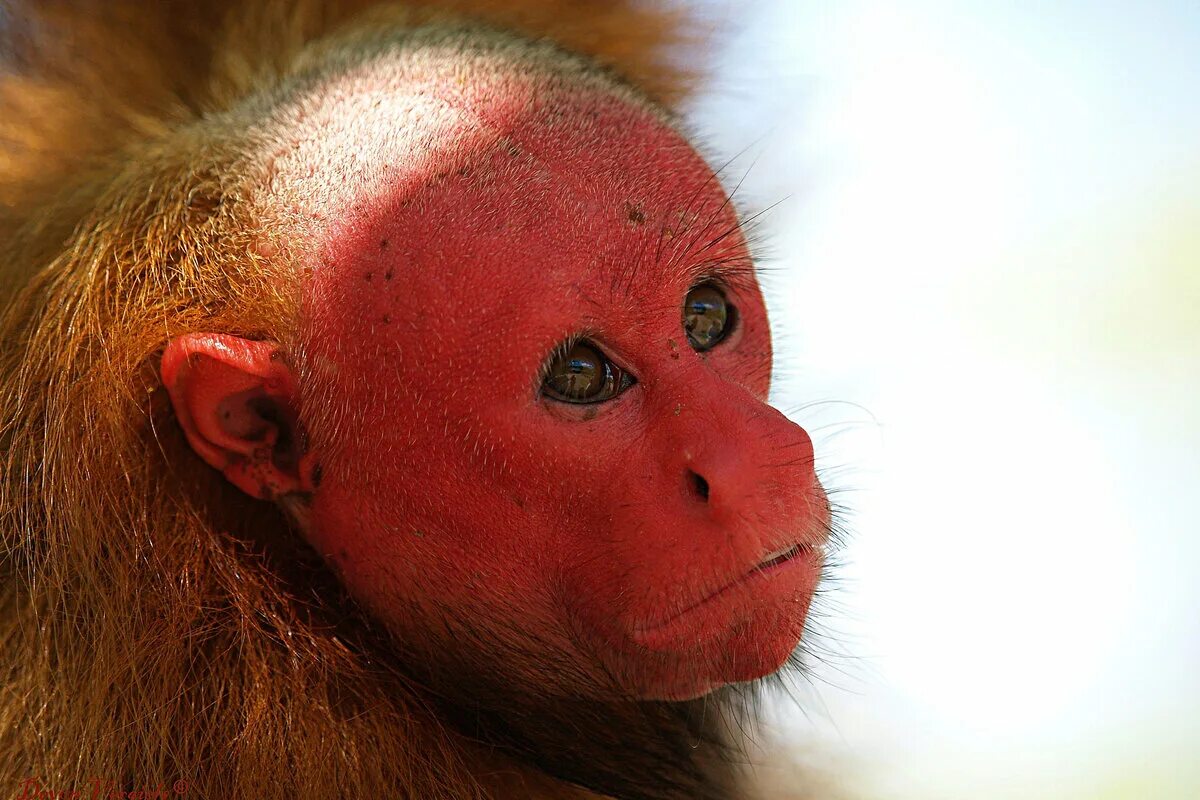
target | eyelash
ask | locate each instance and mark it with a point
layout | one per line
(561, 349)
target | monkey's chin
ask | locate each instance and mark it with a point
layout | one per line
(752, 650)
(742, 634)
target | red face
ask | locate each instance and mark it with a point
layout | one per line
(665, 528)
(535, 387)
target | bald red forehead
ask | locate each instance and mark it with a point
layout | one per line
(583, 196)
(497, 154)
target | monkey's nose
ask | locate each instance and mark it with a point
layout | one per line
(698, 485)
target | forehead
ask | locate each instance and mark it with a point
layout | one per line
(612, 208)
(453, 158)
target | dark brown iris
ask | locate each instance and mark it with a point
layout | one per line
(582, 374)
(707, 317)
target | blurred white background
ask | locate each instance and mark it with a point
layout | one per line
(988, 252)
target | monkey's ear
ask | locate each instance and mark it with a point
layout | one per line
(236, 402)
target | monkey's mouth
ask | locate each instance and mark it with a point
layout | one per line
(779, 557)
(781, 573)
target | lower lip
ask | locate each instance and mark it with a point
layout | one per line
(784, 577)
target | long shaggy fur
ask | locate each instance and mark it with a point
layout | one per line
(155, 625)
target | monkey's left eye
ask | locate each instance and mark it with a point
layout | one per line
(582, 374)
(707, 316)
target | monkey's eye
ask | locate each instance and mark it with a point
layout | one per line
(581, 374)
(707, 316)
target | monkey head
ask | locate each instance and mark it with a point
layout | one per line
(524, 414)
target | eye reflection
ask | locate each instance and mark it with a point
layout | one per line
(707, 316)
(582, 374)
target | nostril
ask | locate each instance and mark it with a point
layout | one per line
(698, 484)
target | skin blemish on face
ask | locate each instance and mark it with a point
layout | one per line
(387, 276)
(678, 408)
(634, 214)
(687, 219)
(383, 244)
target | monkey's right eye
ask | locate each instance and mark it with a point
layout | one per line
(582, 374)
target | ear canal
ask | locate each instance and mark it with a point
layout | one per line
(236, 402)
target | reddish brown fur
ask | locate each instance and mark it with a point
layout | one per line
(155, 625)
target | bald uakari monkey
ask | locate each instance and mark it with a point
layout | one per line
(383, 395)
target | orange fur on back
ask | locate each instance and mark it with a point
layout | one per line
(155, 625)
